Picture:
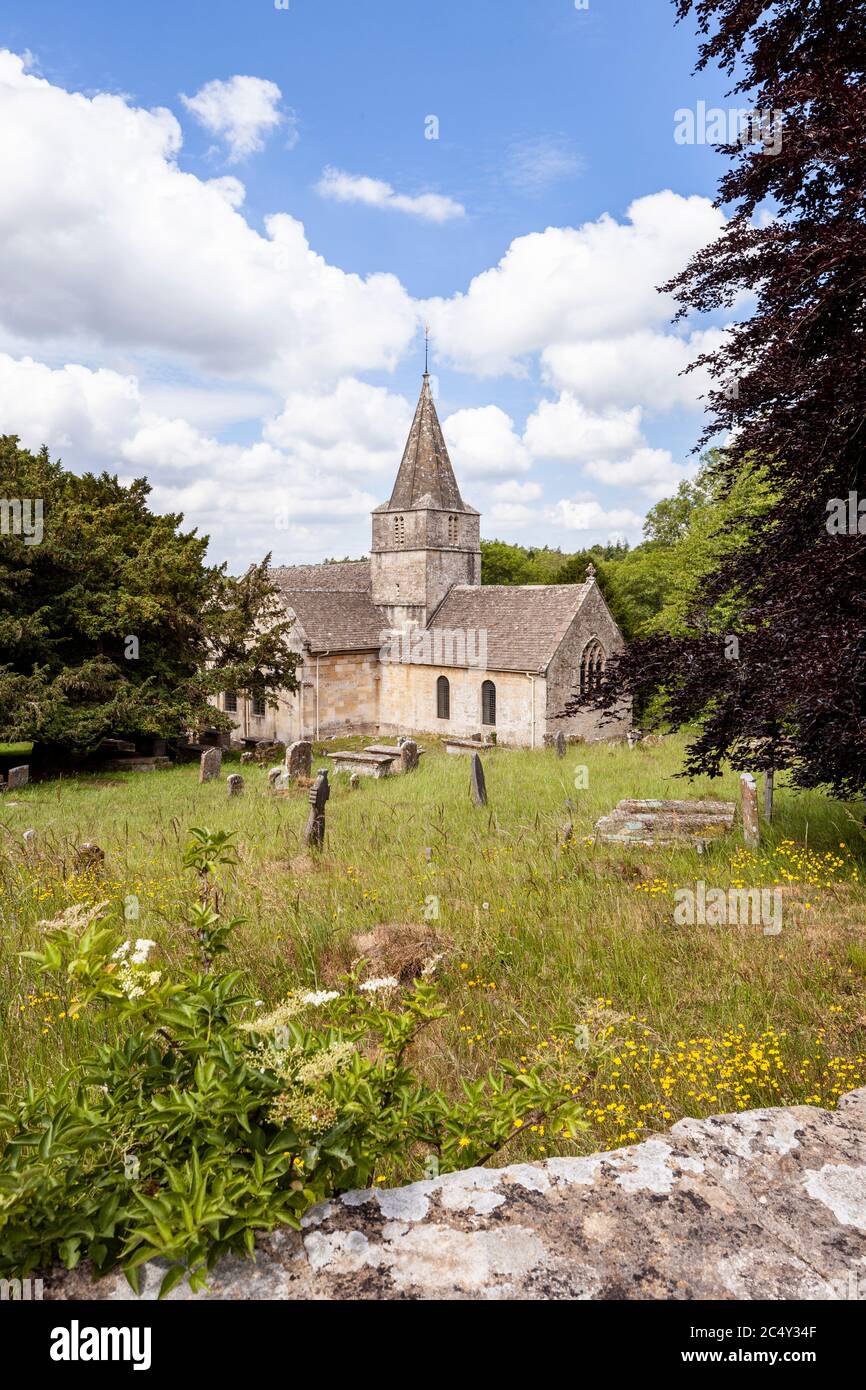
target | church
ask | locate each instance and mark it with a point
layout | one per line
(409, 641)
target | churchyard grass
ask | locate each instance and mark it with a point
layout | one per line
(549, 949)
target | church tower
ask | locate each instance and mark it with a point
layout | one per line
(425, 539)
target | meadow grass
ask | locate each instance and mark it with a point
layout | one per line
(538, 937)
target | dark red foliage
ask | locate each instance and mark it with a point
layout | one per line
(799, 362)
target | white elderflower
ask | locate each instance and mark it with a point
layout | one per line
(122, 951)
(143, 948)
(315, 998)
(382, 982)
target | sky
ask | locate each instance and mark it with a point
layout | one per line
(224, 225)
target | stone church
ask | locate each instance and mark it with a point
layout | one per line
(409, 641)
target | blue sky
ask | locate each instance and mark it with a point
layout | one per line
(231, 226)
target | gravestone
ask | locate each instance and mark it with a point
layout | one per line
(210, 764)
(354, 782)
(479, 787)
(278, 778)
(299, 759)
(89, 856)
(749, 800)
(560, 744)
(666, 822)
(409, 754)
(314, 832)
(18, 777)
(247, 758)
(633, 737)
(235, 783)
(30, 837)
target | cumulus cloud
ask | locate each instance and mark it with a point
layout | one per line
(485, 444)
(588, 515)
(242, 112)
(108, 245)
(569, 284)
(565, 429)
(358, 188)
(642, 367)
(652, 472)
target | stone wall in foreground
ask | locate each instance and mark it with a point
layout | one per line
(763, 1204)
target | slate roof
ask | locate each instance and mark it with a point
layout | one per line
(332, 604)
(426, 478)
(525, 623)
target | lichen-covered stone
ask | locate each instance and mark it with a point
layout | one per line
(763, 1204)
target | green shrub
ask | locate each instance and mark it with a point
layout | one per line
(201, 1119)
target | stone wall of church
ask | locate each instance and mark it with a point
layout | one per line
(592, 621)
(408, 703)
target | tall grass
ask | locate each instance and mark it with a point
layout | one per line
(536, 934)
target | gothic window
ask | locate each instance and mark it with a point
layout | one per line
(443, 698)
(452, 530)
(230, 702)
(488, 703)
(592, 663)
(258, 706)
(399, 530)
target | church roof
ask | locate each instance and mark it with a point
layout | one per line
(524, 623)
(426, 478)
(332, 605)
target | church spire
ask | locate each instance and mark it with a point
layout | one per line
(426, 478)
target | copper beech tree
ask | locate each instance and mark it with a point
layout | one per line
(769, 666)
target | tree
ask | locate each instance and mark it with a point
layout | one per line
(113, 624)
(790, 391)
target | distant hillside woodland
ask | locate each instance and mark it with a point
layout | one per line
(648, 587)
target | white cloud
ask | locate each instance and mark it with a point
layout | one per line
(242, 112)
(354, 428)
(513, 491)
(535, 164)
(588, 515)
(511, 513)
(482, 442)
(569, 284)
(566, 430)
(652, 471)
(109, 246)
(358, 188)
(641, 368)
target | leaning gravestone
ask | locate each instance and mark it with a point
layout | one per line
(314, 832)
(559, 744)
(299, 759)
(211, 762)
(749, 796)
(479, 787)
(409, 754)
(235, 784)
(18, 777)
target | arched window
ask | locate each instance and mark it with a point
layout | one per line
(488, 703)
(452, 530)
(592, 663)
(443, 698)
(399, 530)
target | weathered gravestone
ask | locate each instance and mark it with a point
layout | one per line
(409, 754)
(18, 777)
(235, 783)
(666, 822)
(299, 759)
(749, 799)
(210, 765)
(89, 857)
(30, 837)
(633, 737)
(314, 832)
(247, 758)
(278, 778)
(560, 744)
(479, 787)
(354, 782)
